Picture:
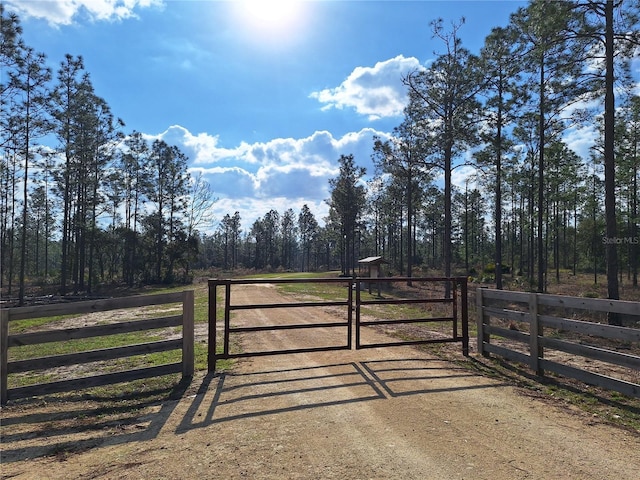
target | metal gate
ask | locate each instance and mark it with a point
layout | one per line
(453, 296)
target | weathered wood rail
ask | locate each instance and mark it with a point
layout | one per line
(522, 307)
(7, 340)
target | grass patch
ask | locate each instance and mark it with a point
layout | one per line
(135, 396)
(293, 275)
(323, 291)
(25, 352)
(80, 345)
(602, 405)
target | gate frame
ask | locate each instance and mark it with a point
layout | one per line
(351, 283)
(456, 282)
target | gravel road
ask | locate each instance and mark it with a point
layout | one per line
(386, 413)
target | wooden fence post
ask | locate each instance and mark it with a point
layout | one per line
(4, 355)
(188, 334)
(535, 331)
(465, 317)
(483, 336)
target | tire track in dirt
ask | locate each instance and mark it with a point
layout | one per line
(385, 413)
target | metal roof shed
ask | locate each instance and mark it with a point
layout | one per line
(374, 268)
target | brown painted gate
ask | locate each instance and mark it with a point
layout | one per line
(353, 302)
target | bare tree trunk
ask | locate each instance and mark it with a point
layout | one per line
(446, 248)
(498, 214)
(541, 257)
(609, 166)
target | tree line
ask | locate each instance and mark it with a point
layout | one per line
(82, 203)
(532, 207)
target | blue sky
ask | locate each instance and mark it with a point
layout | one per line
(263, 102)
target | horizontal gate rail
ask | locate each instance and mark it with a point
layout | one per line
(405, 301)
(281, 352)
(457, 302)
(287, 305)
(459, 310)
(213, 355)
(370, 323)
(286, 327)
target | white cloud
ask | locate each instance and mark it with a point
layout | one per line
(231, 182)
(280, 174)
(203, 148)
(635, 69)
(581, 140)
(463, 176)
(63, 12)
(376, 92)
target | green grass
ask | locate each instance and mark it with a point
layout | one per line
(293, 275)
(608, 406)
(33, 324)
(201, 312)
(601, 404)
(80, 345)
(323, 291)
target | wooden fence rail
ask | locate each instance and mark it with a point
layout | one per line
(526, 307)
(186, 343)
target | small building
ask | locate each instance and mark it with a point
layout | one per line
(373, 267)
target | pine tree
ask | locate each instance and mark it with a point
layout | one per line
(500, 65)
(308, 228)
(443, 101)
(30, 80)
(65, 110)
(347, 204)
(611, 26)
(403, 157)
(552, 60)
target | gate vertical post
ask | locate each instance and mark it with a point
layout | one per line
(483, 319)
(4, 355)
(211, 347)
(350, 313)
(454, 306)
(227, 316)
(465, 317)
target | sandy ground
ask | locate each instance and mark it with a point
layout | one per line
(386, 413)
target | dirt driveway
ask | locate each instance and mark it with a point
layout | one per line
(393, 413)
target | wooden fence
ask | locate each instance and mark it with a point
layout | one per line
(512, 309)
(186, 343)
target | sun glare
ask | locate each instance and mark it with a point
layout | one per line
(274, 19)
